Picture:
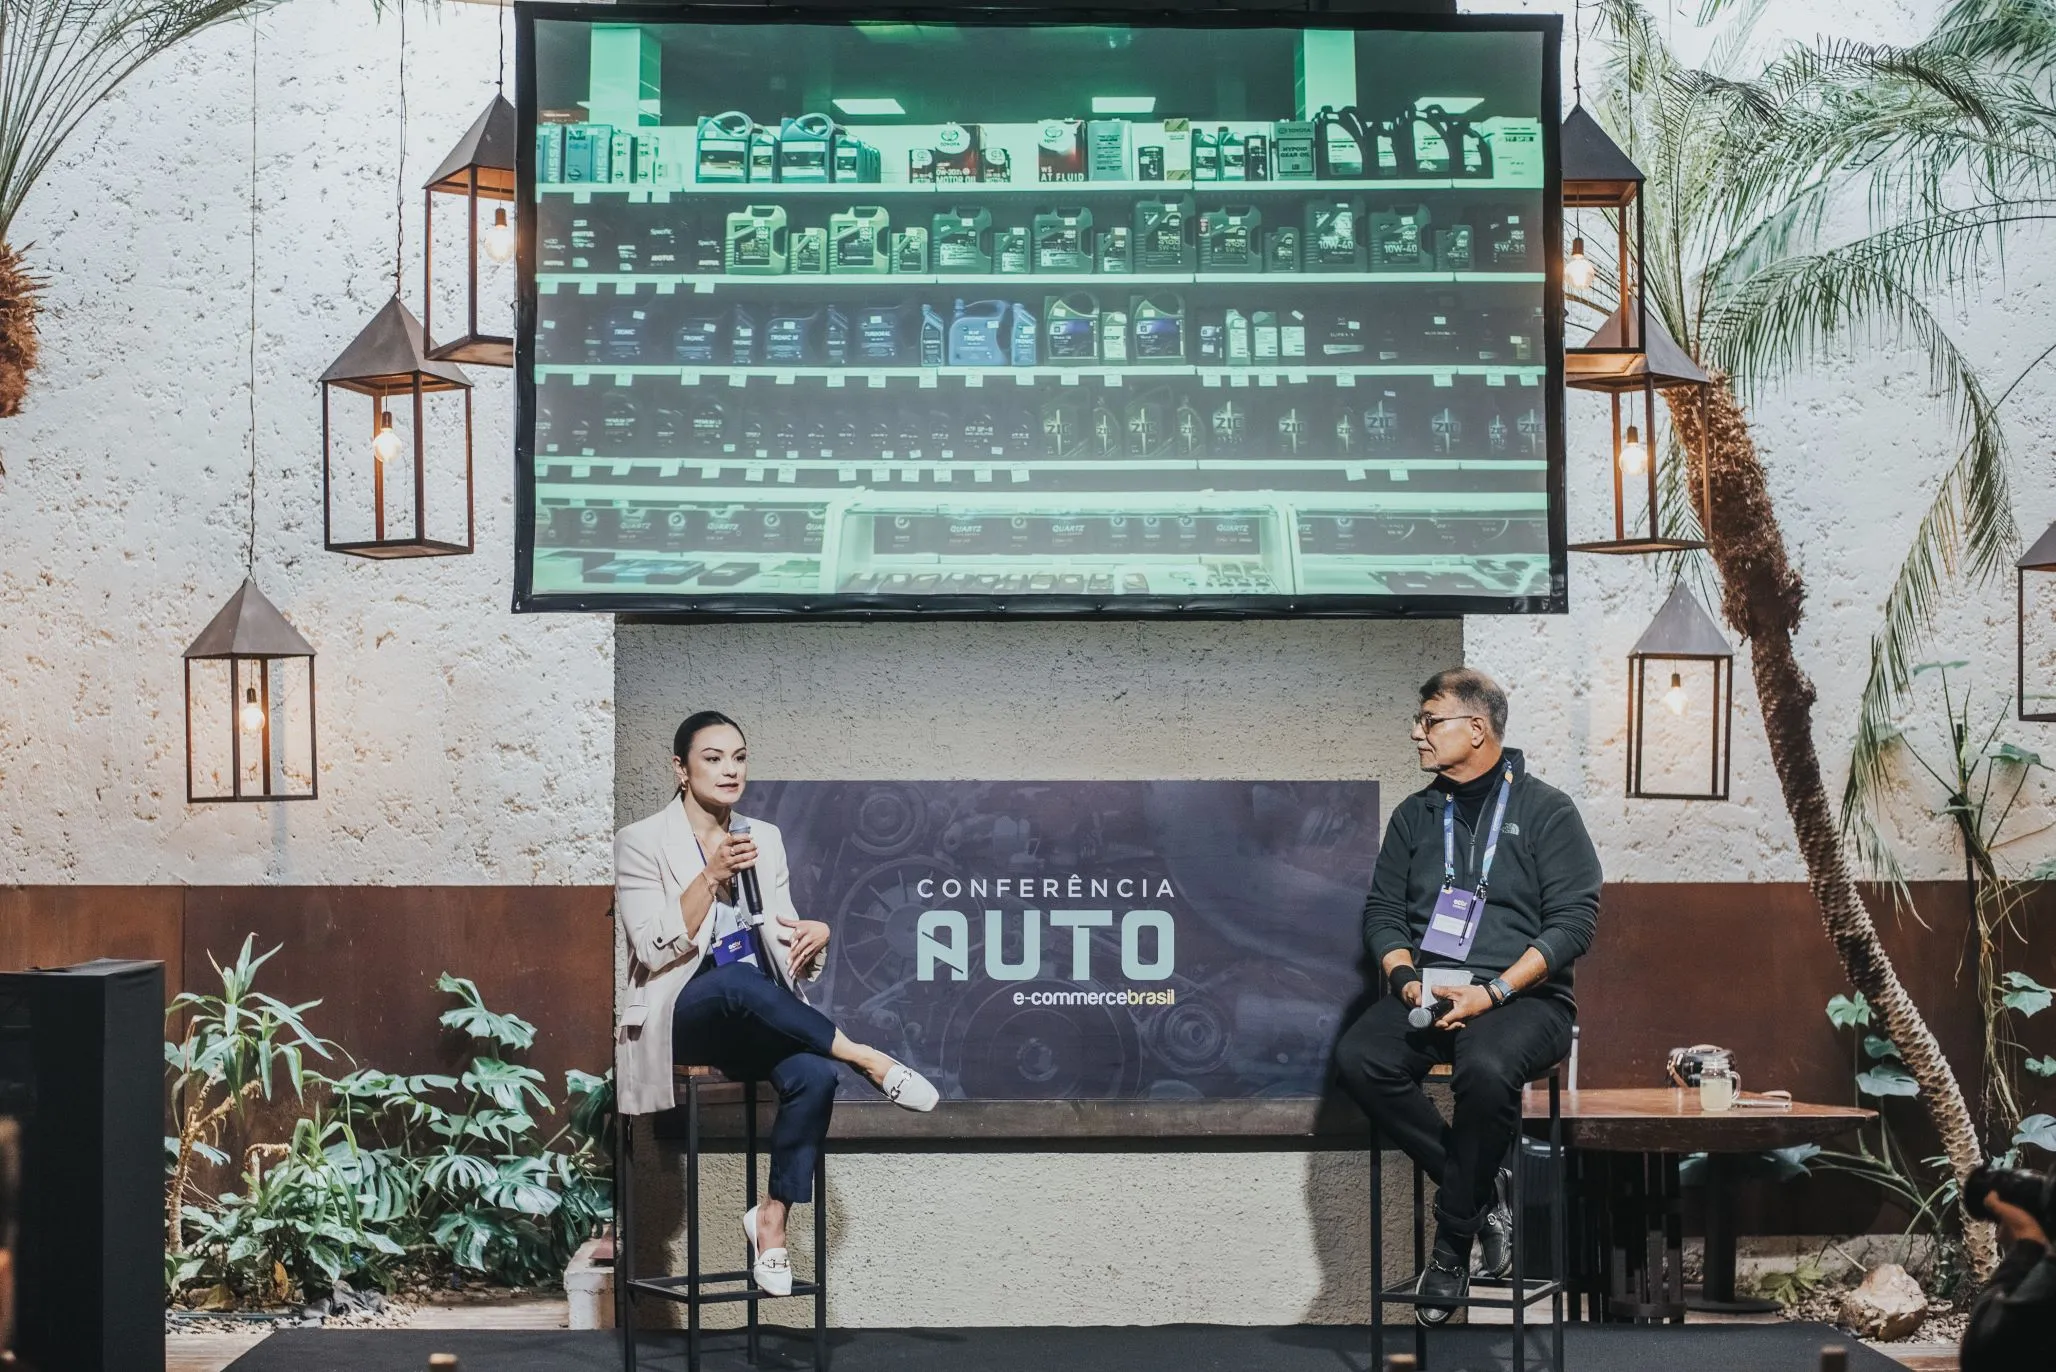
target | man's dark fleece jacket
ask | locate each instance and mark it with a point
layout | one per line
(1544, 889)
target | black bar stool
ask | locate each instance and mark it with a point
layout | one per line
(694, 1288)
(1521, 1292)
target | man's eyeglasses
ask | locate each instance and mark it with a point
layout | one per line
(1426, 722)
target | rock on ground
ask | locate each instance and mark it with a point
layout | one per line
(1889, 1304)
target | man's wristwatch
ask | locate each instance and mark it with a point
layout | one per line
(1500, 991)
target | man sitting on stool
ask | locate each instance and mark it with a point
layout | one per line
(1488, 884)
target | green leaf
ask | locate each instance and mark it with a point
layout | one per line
(2028, 996)
(1940, 667)
(2014, 755)
(2039, 1130)
(1887, 1079)
(472, 1017)
(1846, 1012)
(2041, 1067)
(505, 1082)
(1878, 1046)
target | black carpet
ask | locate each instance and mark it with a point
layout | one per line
(1127, 1348)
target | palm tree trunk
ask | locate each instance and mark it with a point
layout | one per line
(1763, 597)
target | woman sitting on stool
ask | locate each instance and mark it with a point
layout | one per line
(700, 992)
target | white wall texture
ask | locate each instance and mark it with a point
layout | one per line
(462, 744)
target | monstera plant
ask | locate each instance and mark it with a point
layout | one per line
(59, 59)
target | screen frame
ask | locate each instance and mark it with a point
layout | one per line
(648, 606)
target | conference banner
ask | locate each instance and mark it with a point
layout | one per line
(1088, 940)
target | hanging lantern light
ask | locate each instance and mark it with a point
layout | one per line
(1683, 665)
(249, 706)
(388, 363)
(480, 168)
(1597, 175)
(1631, 377)
(2041, 559)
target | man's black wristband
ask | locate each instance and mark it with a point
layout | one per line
(1401, 977)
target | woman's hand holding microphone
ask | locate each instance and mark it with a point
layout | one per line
(728, 854)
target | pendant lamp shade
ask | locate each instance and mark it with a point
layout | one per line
(478, 173)
(1684, 668)
(388, 363)
(250, 706)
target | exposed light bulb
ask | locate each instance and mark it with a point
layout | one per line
(385, 444)
(1634, 455)
(1578, 272)
(253, 712)
(498, 239)
(1674, 698)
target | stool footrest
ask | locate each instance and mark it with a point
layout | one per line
(683, 1288)
(1406, 1295)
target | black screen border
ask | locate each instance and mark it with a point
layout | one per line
(827, 607)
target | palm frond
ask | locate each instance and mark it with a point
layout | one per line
(60, 58)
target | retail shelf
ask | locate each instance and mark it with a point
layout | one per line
(626, 283)
(671, 468)
(585, 374)
(856, 191)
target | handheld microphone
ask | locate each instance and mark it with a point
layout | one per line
(1422, 1016)
(746, 878)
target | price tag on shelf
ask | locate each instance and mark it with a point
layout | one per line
(826, 453)
(624, 288)
(913, 454)
(1267, 378)
(1114, 379)
(1495, 378)
(788, 474)
(1296, 376)
(945, 475)
(1026, 378)
(582, 196)
(1020, 476)
(686, 378)
(1530, 379)
(762, 453)
(981, 474)
(1239, 380)
(792, 454)
(889, 455)
(710, 471)
(1353, 473)
(581, 471)
(703, 286)
(1445, 378)
(881, 475)
(845, 473)
(1345, 378)
(909, 475)
(588, 287)
(787, 378)
(877, 382)
(624, 378)
(1400, 474)
(753, 473)
(581, 378)
(1212, 379)
(973, 380)
(1071, 378)
(738, 378)
(929, 380)
(667, 288)
(948, 454)
(668, 471)
(835, 380)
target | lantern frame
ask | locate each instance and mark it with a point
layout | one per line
(1623, 373)
(1682, 632)
(2041, 557)
(385, 361)
(480, 167)
(250, 629)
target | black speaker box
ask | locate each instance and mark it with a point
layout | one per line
(82, 1070)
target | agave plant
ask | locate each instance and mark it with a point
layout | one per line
(1759, 163)
(58, 60)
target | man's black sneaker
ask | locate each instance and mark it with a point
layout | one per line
(1494, 1250)
(1446, 1276)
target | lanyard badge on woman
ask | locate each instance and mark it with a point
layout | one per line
(1453, 927)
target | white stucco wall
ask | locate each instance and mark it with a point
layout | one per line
(458, 742)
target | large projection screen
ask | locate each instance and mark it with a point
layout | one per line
(1011, 314)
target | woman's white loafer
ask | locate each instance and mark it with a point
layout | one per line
(773, 1270)
(909, 1090)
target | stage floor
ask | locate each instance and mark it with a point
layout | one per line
(1127, 1348)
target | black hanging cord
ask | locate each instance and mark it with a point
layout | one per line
(1577, 52)
(400, 188)
(500, 80)
(250, 558)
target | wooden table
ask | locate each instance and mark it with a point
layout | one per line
(1625, 1200)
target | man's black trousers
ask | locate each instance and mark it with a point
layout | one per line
(1381, 1062)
